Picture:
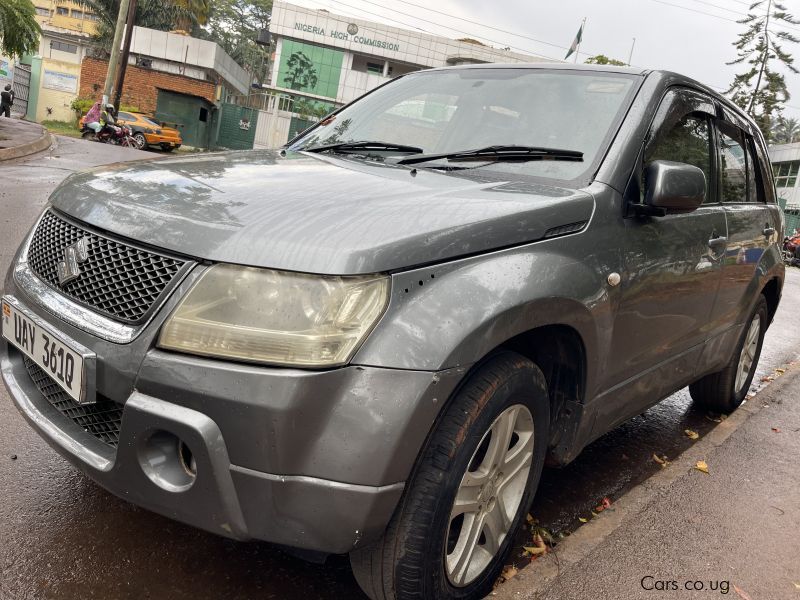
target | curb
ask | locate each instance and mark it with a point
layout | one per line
(537, 577)
(43, 143)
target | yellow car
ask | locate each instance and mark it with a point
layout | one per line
(148, 132)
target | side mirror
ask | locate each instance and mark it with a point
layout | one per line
(673, 187)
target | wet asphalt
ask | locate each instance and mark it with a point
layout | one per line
(61, 536)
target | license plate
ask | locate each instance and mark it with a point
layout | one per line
(56, 357)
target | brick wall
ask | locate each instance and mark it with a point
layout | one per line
(141, 85)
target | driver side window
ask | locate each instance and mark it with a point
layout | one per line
(687, 141)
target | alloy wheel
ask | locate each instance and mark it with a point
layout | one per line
(489, 495)
(748, 354)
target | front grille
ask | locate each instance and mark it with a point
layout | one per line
(101, 419)
(117, 279)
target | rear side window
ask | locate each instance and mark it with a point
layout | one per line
(737, 165)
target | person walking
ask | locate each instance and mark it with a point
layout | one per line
(6, 101)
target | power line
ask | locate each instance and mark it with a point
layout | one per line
(502, 44)
(451, 16)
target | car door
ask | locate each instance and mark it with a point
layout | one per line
(752, 225)
(671, 268)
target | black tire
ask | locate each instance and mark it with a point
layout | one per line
(167, 147)
(718, 392)
(89, 135)
(408, 562)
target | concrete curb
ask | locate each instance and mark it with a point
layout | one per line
(43, 143)
(537, 577)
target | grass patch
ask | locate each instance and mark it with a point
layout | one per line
(62, 128)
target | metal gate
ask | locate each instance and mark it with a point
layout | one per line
(21, 86)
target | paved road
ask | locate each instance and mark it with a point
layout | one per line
(63, 537)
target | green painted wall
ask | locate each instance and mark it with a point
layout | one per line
(310, 68)
(33, 91)
(231, 135)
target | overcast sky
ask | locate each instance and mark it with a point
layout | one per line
(670, 34)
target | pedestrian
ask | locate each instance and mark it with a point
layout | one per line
(6, 101)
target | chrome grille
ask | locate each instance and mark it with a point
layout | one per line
(101, 419)
(117, 279)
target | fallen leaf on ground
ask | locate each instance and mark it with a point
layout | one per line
(535, 550)
(509, 572)
(702, 466)
(604, 504)
(741, 592)
(796, 585)
(582, 520)
(780, 371)
(767, 378)
(594, 514)
(662, 461)
(692, 435)
(776, 429)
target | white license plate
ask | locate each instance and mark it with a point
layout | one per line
(46, 348)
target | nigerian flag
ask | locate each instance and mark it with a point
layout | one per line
(576, 42)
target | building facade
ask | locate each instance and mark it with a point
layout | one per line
(785, 160)
(323, 60)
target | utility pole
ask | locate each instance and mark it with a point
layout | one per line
(630, 56)
(114, 59)
(126, 52)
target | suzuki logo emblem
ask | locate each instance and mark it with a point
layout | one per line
(74, 255)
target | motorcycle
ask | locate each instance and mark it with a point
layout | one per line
(120, 135)
(791, 249)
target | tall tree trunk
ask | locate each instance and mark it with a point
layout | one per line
(763, 62)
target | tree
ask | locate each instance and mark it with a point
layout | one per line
(761, 90)
(786, 131)
(235, 25)
(302, 75)
(164, 15)
(602, 59)
(19, 31)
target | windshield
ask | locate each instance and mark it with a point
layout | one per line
(462, 109)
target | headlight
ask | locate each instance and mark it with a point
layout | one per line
(276, 317)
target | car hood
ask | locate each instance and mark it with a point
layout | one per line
(315, 213)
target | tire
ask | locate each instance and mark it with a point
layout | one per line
(724, 390)
(141, 141)
(89, 135)
(417, 556)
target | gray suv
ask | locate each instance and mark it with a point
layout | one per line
(371, 341)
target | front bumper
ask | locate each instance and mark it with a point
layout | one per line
(314, 460)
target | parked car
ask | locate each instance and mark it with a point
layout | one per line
(148, 132)
(371, 341)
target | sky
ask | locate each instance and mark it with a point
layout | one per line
(693, 37)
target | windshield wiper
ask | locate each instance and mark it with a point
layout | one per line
(499, 154)
(365, 146)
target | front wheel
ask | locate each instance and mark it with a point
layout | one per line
(471, 488)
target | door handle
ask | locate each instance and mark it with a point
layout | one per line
(769, 231)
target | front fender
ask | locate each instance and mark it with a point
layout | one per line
(453, 314)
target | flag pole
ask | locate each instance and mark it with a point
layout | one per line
(578, 47)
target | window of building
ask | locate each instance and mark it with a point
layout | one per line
(60, 10)
(786, 173)
(375, 68)
(42, 12)
(63, 47)
(90, 16)
(77, 14)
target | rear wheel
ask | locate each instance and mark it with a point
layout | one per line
(725, 390)
(141, 141)
(473, 484)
